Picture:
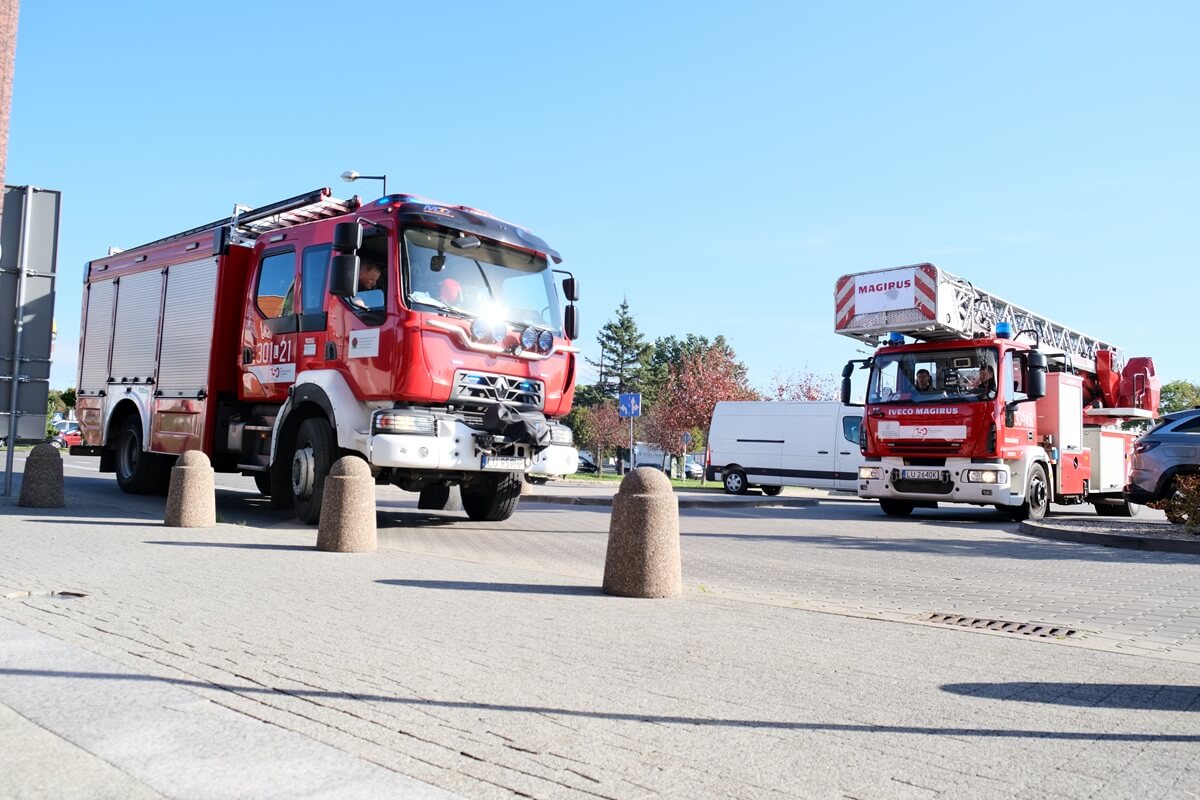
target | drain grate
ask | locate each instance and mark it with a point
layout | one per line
(1003, 626)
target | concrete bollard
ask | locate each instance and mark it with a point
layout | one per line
(192, 496)
(643, 538)
(348, 508)
(42, 484)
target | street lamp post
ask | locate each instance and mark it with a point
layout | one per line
(350, 176)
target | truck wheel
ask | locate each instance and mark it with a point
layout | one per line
(491, 497)
(897, 508)
(138, 472)
(1037, 497)
(735, 482)
(1122, 508)
(311, 461)
(771, 491)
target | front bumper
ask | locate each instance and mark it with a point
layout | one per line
(950, 487)
(457, 447)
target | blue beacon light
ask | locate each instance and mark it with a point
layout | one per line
(895, 338)
(1003, 330)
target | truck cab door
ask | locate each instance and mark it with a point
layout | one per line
(270, 328)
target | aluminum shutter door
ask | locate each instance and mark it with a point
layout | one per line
(97, 336)
(135, 334)
(187, 335)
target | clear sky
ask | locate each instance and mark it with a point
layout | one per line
(717, 164)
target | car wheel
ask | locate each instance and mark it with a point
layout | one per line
(772, 491)
(1174, 506)
(735, 482)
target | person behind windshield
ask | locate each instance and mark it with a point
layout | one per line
(985, 380)
(369, 273)
(924, 381)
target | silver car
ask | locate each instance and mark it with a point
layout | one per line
(1170, 448)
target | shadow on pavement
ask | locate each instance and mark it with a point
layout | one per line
(518, 588)
(662, 719)
(1147, 697)
(120, 523)
(239, 545)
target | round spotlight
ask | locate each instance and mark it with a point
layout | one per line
(499, 331)
(546, 341)
(529, 338)
(479, 330)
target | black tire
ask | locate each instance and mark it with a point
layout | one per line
(1037, 497)
(1123, 508)
(311, 460)
(772, 491)
(262, 480)
(897, 508)
(735, 482)
(491, 497)
(138, 472)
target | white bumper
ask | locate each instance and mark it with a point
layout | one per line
(951, 485)
(453, 449)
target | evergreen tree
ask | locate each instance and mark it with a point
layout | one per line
(624, 354)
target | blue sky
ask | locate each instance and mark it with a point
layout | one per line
(719, 165)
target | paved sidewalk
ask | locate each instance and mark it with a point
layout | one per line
(490, 680)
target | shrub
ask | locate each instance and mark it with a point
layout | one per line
(1182, 503)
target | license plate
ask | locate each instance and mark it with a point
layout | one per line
(921, 474)
(503, 463)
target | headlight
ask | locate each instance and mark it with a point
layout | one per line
(869, 473)
(499, 331)
(529, 338)
(405, 422)
(479, 330)
(561, 434)
(986, 476)
(546, 341)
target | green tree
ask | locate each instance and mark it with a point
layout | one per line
(623, 355)
(1178, 395)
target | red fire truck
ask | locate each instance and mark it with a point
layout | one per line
(426, 338)
(972, 399)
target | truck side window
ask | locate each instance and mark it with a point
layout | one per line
(314, 272)
(1013, 378)
(850, 426)
(275, 295)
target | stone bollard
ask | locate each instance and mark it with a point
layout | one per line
(192, 496)
(42, 484)
(643, 538)
(348, 508)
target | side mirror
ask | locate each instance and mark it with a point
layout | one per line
(846, 390)
(347, 237)
(1035, 375)
(571, 289)
(571, 323)
(343, 274)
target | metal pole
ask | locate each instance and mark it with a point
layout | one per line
(19, 323)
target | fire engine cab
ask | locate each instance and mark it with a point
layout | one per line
(971, 399)
(423, 337)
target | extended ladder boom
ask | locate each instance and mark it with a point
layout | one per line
(930, 304)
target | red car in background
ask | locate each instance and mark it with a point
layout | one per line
(69, 435)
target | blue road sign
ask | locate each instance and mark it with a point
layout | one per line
(630, 405)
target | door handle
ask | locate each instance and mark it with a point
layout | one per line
(843, 452)
(823, 452)
(247, 355)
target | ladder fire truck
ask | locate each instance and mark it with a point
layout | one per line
(972, 399)
(269, 341)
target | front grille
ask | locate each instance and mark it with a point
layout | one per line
(482, 388)
(923, 487)
(918, 448)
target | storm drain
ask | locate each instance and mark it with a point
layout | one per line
(35, 594)
(1003, 626)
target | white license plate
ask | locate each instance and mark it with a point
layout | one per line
(921, 474)
(503, 463)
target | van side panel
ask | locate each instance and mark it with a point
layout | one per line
(809, 455)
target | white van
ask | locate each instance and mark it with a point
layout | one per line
(773, 444)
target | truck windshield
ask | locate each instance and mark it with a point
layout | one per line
(932, 376)
(483, 279)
